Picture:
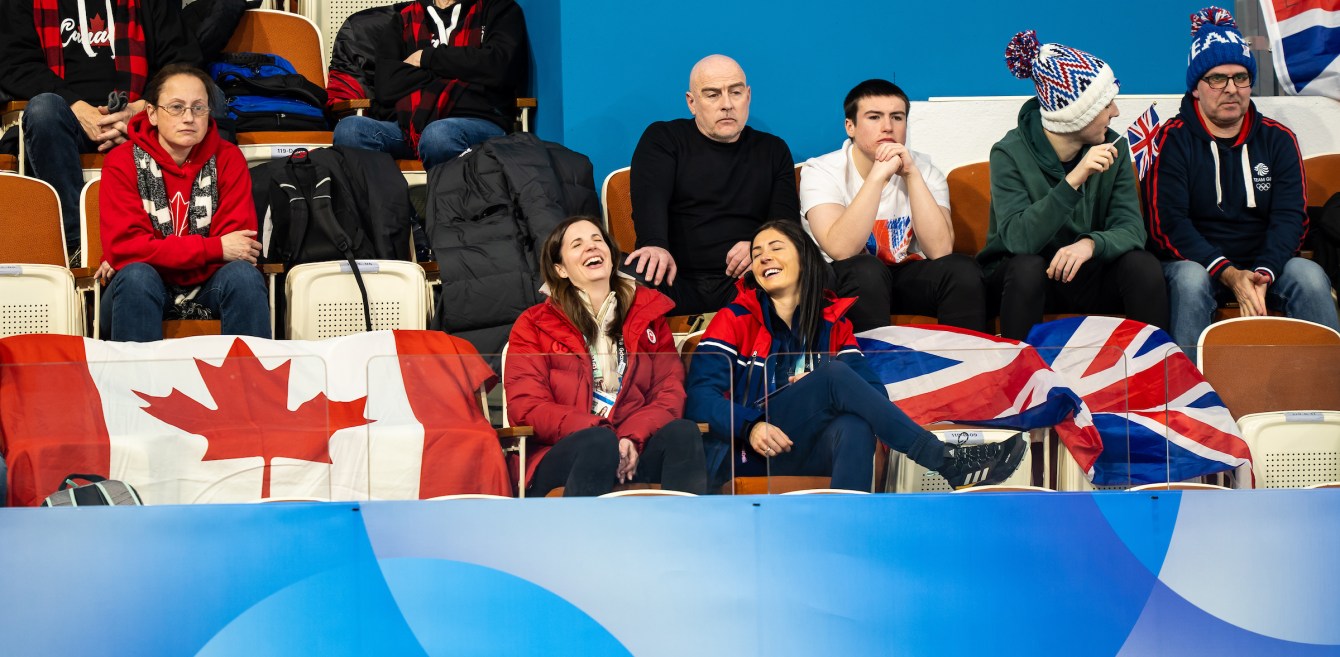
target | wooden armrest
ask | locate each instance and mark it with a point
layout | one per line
(430, 267)
(13, 106)
(702, 427)
(515, 432)
(343, 108)
(351, 105)
(83, 272)
(526, 102)
(272, 268)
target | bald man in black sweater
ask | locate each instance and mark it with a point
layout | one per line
(701, 187)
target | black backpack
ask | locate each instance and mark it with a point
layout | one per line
(1325, 237)
(321, 208)
(99, 491)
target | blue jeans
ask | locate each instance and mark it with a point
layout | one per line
(136, 301)
(832, 416)
(1302, 291)
(442, 141)
(52, 143)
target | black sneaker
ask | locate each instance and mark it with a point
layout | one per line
(983, 465)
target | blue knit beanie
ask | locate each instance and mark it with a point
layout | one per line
(1216, 41)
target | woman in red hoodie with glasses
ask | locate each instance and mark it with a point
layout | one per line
(178, 223)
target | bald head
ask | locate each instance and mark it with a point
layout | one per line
(718, 97)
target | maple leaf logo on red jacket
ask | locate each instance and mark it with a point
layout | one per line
(253, 418)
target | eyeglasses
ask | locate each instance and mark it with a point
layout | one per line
(1220, 81)
(177, 109)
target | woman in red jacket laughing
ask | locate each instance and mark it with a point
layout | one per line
(594, 370)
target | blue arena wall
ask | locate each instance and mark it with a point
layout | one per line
(604, 69)
(1110, 573)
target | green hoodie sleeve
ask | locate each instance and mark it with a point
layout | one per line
(1118, 224)
(1020, 225)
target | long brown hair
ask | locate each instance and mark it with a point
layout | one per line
(565, 294)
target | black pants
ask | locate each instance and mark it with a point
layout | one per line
(1131, 285)
(949, 289)
(586, 462)
(693, 294)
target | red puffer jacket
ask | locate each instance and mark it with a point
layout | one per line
(549, 383)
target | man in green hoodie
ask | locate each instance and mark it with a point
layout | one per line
(1066, 233)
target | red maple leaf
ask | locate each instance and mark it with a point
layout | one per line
(253, 418)
(95, 26)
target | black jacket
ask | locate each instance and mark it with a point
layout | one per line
(487, 214)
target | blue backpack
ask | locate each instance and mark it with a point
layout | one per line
(265, 92)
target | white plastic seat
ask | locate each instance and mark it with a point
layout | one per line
(1291, 449)
(826, 491)
(648, 492)
(1005, 488)
(38, 299)
(908, 477)
(1175, 485)
(324, 299)
(468, 496)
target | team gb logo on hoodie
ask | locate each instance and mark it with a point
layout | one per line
(1262, 178)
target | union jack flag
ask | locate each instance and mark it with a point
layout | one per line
(1305, 45)
(944, 374)
(1159, 419)
(1141, 138)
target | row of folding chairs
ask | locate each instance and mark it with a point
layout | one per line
(969, 211)
(40, 294)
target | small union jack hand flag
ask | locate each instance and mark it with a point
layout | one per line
(1141, 138)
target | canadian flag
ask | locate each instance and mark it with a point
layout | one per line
(382, 415)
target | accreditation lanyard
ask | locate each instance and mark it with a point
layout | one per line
(602, 402)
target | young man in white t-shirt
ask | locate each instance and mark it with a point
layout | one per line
(880, 213)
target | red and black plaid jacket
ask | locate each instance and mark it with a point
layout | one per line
(132, 64)
(435, 100)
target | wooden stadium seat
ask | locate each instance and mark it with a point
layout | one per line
(37, 289)
(776, 485)
(617, 201)
(1323, 177)
(9, 163)
(970, 206)
(1263, 364)
(295, 38)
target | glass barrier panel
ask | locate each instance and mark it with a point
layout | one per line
(222, 426)
(574, 409)
(974, 401)
(431, 433)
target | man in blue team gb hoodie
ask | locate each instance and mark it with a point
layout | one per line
(1224, 199)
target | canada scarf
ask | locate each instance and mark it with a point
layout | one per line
(204, 202)
(463, 24)
(123, 24)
